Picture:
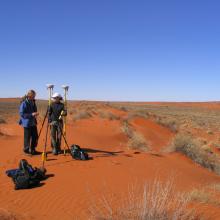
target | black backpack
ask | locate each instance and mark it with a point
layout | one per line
(26, 176)
(78, 153)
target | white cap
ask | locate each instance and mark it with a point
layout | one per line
(56, 94)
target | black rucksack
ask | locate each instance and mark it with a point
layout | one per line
(78, 153)
(26, 176)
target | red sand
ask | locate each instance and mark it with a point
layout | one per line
(77, 184)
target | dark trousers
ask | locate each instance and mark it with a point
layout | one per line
(30, 138)
(56, 134)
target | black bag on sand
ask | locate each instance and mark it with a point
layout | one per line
(26, 176)
(78, 153)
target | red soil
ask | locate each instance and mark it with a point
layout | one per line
(76, 185)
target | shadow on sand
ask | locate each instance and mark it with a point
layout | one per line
(102, 153)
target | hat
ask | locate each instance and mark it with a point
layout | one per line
(56, 94)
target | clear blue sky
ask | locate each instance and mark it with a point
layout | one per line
(138, 50)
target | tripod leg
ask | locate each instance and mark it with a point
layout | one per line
(44, 154)
(64, 138)
(43, 124)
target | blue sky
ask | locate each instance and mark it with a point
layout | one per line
(111, 49)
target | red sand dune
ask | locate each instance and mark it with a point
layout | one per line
(77, 184)
(158, 136)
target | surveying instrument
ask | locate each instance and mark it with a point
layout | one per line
(50, 88)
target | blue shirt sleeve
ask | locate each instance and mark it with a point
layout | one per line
(23, 111)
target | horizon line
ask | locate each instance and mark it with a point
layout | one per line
(125, 101)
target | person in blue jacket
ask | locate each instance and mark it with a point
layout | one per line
(28, 113)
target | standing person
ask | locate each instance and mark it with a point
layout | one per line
(28, 113)
(56, 111)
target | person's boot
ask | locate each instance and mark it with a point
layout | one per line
(34, 152)
(54, 151)
(59, 151)
(26, 150)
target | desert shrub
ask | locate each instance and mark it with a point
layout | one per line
(108, 115)
(118, 106)
(216, 187)
(81, 115)
(135, 139)
(91, 110)
(193, 149)
(203, 196)
(168, 123)
(154, 201)
(210, 132)
(127, 129)
(123, 108)
(138, 114)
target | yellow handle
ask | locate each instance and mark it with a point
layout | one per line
(44, 156)
(61, 114)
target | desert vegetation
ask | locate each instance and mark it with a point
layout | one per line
(108, 115)
(135, 140)
(205, 196)
(170, 123)
(183, 115)
(83, 114)
(8, 109)
(194, 149)
(152, 201)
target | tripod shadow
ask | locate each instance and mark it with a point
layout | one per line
(47, 176)
(103, 153)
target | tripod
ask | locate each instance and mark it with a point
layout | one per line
(44, 153)
(63, 134)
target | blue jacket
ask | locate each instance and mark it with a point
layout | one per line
(27, 107)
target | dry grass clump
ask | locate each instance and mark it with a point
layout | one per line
(193, 149)
(83, 114)
(155, 201)
(204, 196)
(168, 123)
(127, 129)
(216, 187)
(123, 108)
(138, 142)
(83, 110)
(135, 139)
(108, 115)
(138, 114)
